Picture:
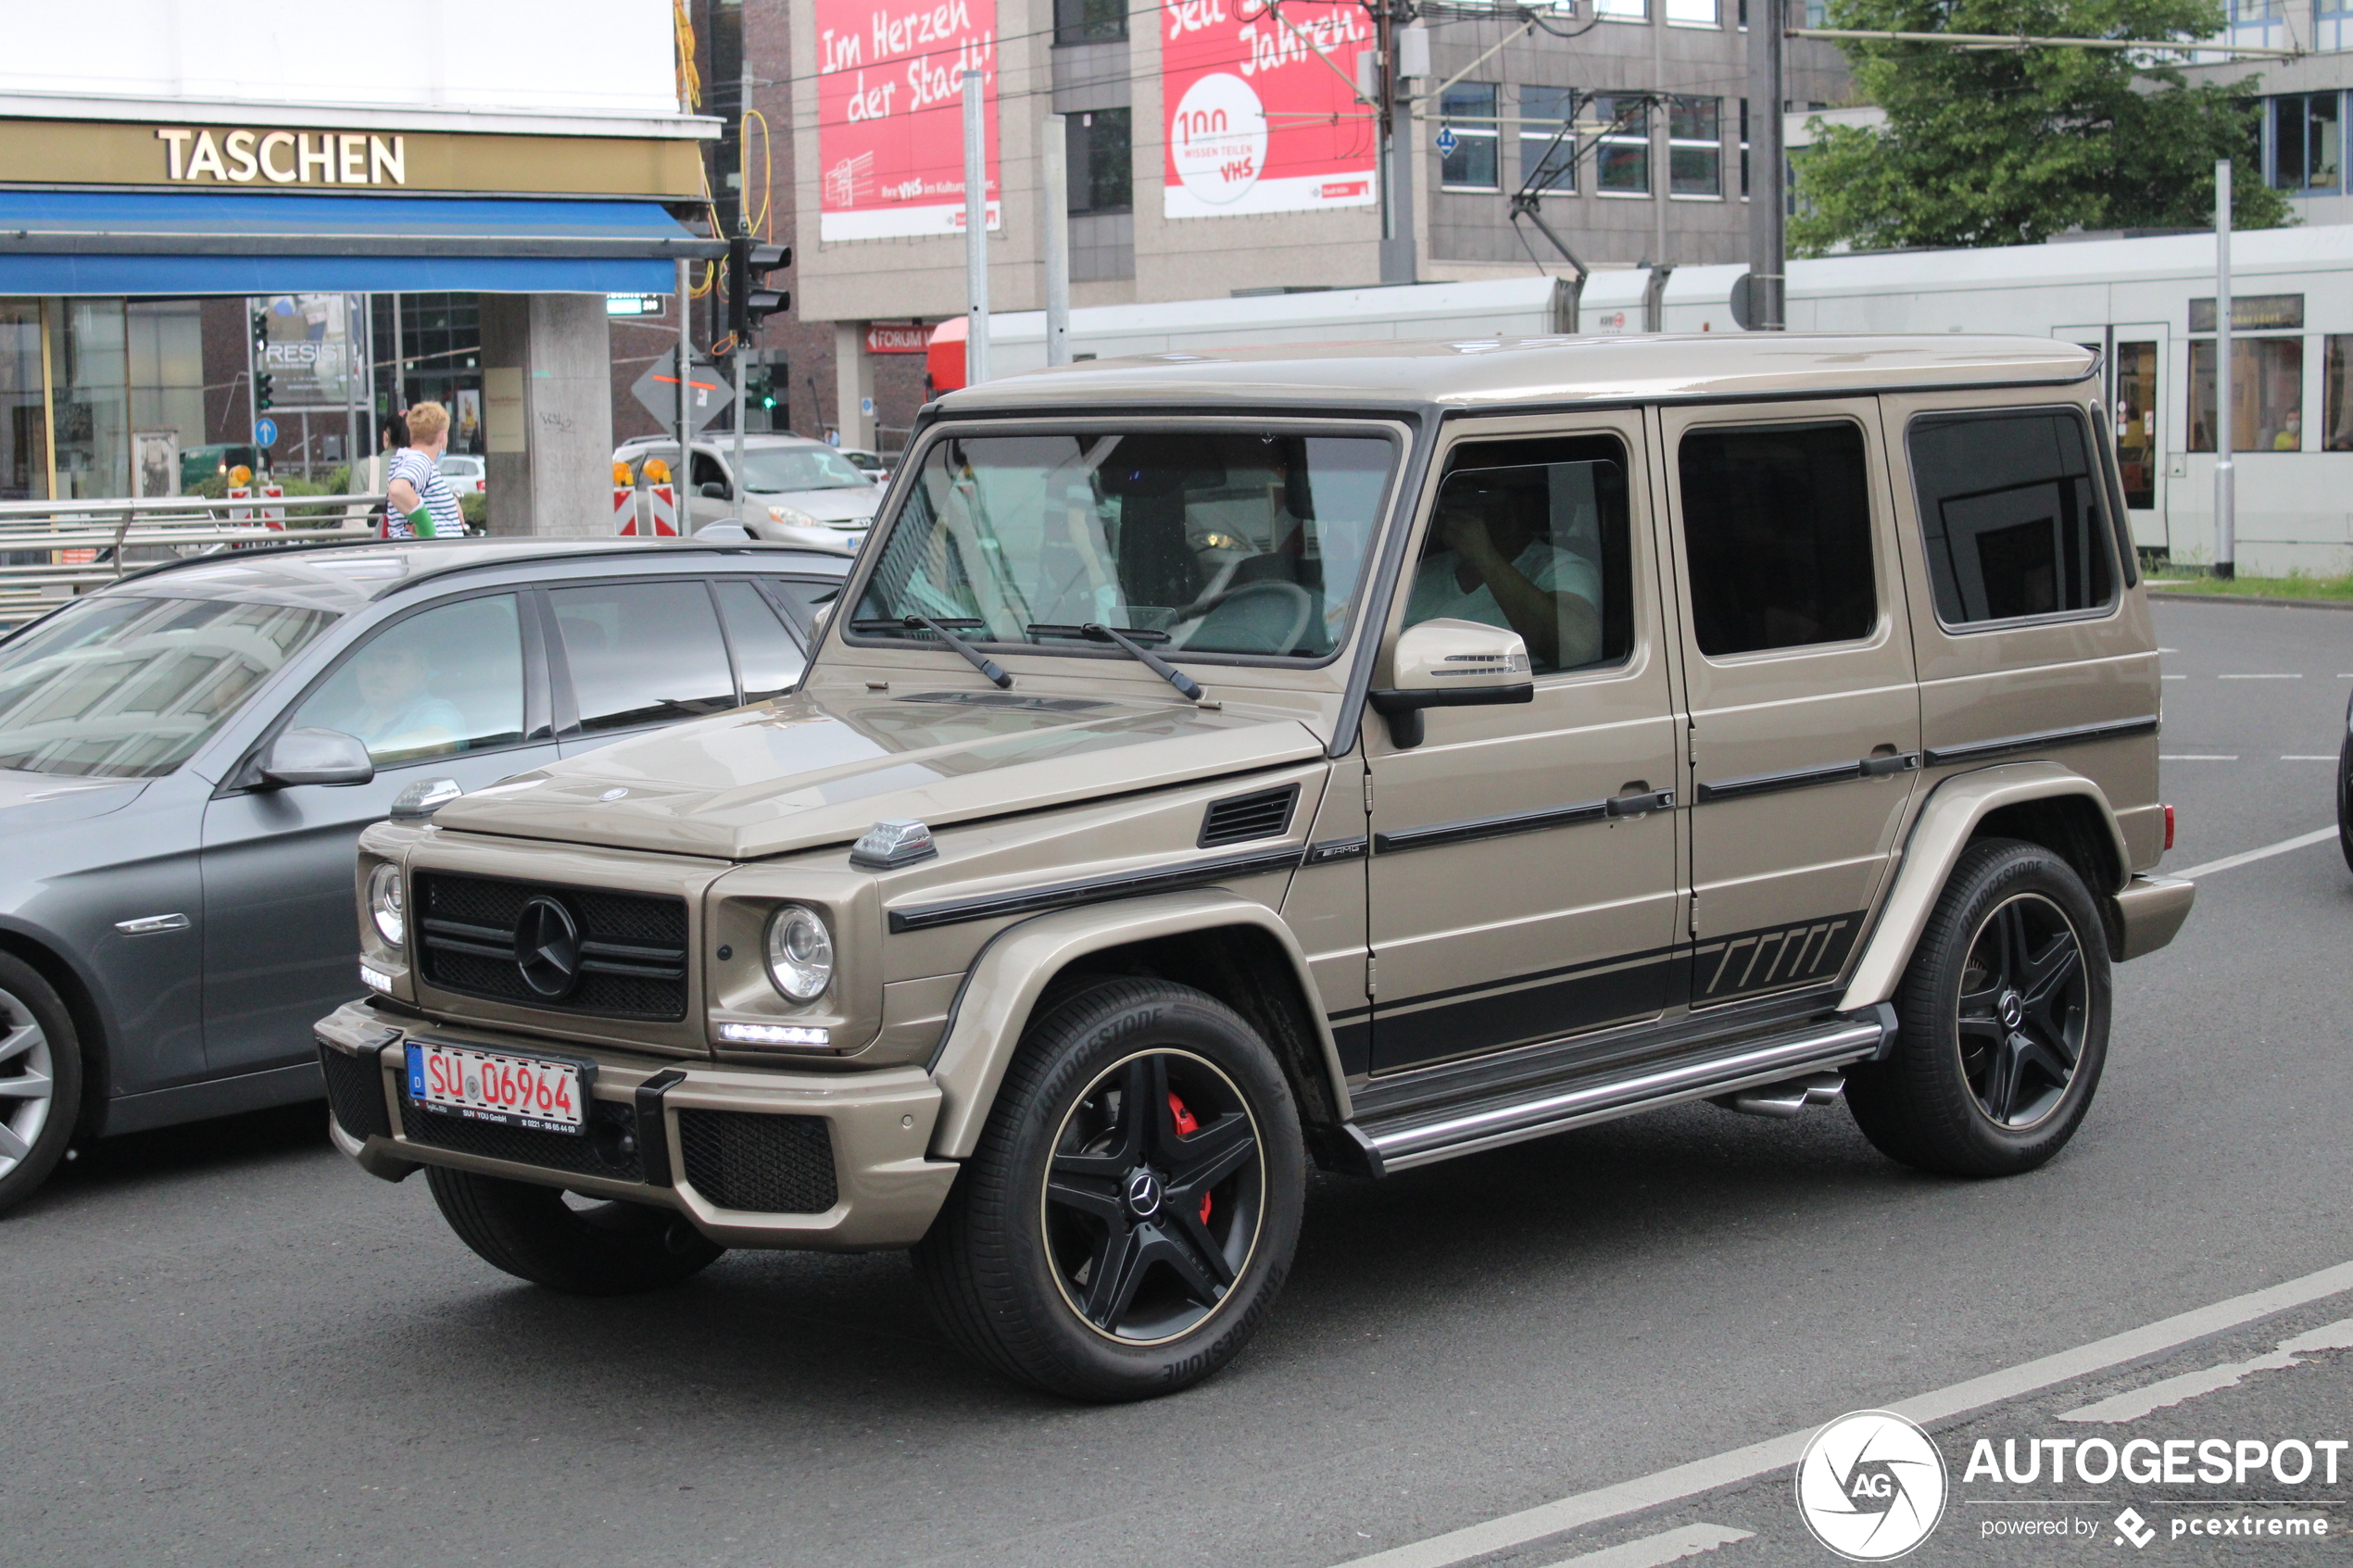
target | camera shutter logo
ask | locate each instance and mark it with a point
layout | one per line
(1871, 1486)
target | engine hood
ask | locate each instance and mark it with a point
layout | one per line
(30, 801)
(804, 771)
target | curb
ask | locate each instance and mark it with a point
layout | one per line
(2252, 601)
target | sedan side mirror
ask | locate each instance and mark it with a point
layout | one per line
(317, 756)
(1452, 664)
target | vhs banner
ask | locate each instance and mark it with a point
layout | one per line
(890, 115)
(1262, 110)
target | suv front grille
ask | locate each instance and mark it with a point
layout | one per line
(607, 1149)
(632, 950)
(356, 1090)
(761, 1164)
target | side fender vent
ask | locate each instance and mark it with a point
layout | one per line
(1240, 818)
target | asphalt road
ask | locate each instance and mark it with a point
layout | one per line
(224, 1345)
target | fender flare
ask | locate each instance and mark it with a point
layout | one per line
(1002, 988)
(1941, 832)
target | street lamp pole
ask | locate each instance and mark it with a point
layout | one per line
(1768, 183)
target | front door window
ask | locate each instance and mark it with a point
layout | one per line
(445, 680)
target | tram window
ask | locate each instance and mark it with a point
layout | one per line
(2267, 395)
(2010, 505)
(2339, 381)
(2136, 423)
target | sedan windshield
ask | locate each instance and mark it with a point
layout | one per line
(803, 468)
(123, 687)
(1223, 542)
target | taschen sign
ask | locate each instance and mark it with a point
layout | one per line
(1262, 114)
(890, 116)
(283, 158)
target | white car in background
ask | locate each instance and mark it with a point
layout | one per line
(792, 484)
(466, 474)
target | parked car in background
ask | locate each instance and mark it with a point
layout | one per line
(465, 473)
(874, 463)
(791, 483)
(200, 463)
(187, 757)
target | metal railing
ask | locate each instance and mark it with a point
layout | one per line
(53, 550)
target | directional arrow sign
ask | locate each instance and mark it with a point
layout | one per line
(265, 433)
(708, 392)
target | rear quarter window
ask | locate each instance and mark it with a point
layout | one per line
(2012, 513)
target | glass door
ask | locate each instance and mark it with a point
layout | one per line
(2131, 357)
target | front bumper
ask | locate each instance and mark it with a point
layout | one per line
(755, 1158)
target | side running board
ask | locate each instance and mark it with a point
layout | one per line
(1425, 1137)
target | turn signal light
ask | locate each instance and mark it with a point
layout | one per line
(2169, 827)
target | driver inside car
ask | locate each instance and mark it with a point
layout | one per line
(1491, 559)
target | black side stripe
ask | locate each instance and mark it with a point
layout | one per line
(1768, 783)
(1489, 827)
(1976, 751)
(1093, 890)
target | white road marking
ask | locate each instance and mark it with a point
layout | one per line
(2171, 1391)
(2172, 677)
(1737, 1465)
(2258, 677)
(2318, 835)
(2196, 757)
(1671, 1546)
(2168, 650)
(2307, 757)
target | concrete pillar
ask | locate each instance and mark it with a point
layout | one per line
(548, 412)
(853, 385)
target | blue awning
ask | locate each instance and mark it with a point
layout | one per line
(241, 242)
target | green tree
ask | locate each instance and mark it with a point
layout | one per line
(2004, 147)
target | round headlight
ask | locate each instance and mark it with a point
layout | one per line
(800, 953)
(385, 906)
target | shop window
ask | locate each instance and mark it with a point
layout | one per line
(1469, 110)
(1695, 146)
(1622, 155)
(2010, 510)
(91, 398)
(1542, 112)
(1777, 536)
(24, 422)
(2338, 367)
(2307, 142)
(2136, 423)
(1091, 22)
(1102, 164)
(2267, 395)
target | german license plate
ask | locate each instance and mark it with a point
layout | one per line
(537, 1093)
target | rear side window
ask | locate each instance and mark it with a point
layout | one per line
(2011, 505)
(642, 653)
(1777, 536)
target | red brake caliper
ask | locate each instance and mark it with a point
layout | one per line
(1186, 1125)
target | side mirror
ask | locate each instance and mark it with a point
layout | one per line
(713, 490)
(317, 756)
(1452, 664)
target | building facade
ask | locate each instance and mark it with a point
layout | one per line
(2304, 100)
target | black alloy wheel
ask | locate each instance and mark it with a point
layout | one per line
(1153, 1199)
(2022, 1011)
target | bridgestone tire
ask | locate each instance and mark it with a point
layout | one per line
(605, 1249)
(1919, 1106)
(51, 1050)
(989, 1265)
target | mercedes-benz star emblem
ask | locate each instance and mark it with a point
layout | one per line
(1143, 1195)
(548, 947)
(2013, 1009)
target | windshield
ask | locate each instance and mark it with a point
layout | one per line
(1225, 542)
(803, 468)
(121, 687)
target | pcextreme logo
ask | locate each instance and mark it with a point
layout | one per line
(1871, 1486)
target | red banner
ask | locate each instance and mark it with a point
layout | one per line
(890, 114)
(1261, 107)
(897, 337)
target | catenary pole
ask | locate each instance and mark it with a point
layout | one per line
(2226, 529)
(1768, 194)
(686, 373)
(1054, 169)
(975, 231)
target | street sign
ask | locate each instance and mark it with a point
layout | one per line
(265, 433)
(708, 392)
(1447, 141)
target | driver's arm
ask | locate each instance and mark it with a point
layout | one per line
(1528, 608)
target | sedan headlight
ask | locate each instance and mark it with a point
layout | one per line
(386, 906)
(800, 953)
(792, 517)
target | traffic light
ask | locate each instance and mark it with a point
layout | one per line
(264, 398)
(750, 299)
(262, 382)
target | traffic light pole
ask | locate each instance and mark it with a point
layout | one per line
(742, 492)
(686, 370)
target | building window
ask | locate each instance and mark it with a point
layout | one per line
(1694, 148)
(1542, 112)
(1622, 10)
(2337, 366)
(1467, 112)
(2267, 395)
(1691, 13)
(2254, 13)
(2307, 142)
(1091, 22)
(1745, 135)
(1622, 157)
(1102, 167)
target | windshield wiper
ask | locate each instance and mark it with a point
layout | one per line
(1186, 685)
(972, 655)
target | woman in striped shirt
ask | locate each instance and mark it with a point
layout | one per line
(424, 506)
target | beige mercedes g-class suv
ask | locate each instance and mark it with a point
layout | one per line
(1368, 754)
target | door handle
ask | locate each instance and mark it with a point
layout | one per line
(1880, 767)
(1640, 802)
